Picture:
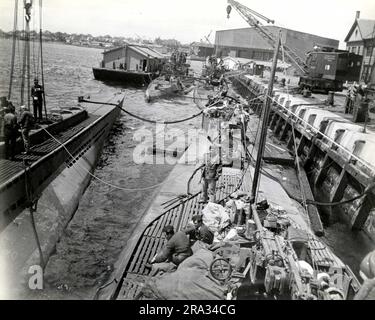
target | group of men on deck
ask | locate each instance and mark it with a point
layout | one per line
(178, 247)
(12, 126)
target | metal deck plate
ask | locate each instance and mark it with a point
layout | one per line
(10, 168)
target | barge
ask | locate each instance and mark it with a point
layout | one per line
(130, 64)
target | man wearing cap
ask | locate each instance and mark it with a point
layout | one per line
(177, 248)
(26, 123)
(367, 273)
(10, 133)
(211, 172)
(37, 95)
(199, 231)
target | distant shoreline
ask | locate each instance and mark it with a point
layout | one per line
(68, 44)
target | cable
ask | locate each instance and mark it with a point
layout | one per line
(141, 118)
(32, 209)
(157, 122)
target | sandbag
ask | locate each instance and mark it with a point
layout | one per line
(189, 282)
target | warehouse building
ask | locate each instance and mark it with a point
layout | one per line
(247, 43)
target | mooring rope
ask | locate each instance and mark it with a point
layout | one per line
(142, 118)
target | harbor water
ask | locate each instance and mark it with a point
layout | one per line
(115, 201)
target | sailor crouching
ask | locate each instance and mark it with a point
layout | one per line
(10, 133)
(177, 248)
(199, 231)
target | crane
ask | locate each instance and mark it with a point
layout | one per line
(324, 69)
(249, 16)
(207, 38)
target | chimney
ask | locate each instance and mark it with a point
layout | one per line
(357, 14)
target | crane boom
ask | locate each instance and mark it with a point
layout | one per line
(248, 15)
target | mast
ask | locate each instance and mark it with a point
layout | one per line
(26, 57)
(41, 56)
(13, 48)
(266, 113)
(28, 6)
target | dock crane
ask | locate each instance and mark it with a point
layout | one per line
(208, 37)
(249, 16)
(324, 68)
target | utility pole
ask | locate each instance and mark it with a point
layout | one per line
(265, 116)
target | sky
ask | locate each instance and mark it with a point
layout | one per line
(190, 20)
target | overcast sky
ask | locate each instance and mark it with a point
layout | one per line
(190, 20)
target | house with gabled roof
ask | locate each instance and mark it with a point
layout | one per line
(361, 40)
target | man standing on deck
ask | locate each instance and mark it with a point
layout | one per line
(211, 173)
(367, 273)
(177, 248)
(10, 133)
(26, 123)
(37, 95)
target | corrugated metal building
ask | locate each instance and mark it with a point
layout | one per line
(247, 43)
(132, 58)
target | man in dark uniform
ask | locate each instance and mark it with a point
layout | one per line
(367, 273)
(37, 95)
(177, 248)
(26, 123)
(212, 169)
(199, 231)
(10, 133)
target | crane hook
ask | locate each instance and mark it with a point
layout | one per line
(229, 9)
